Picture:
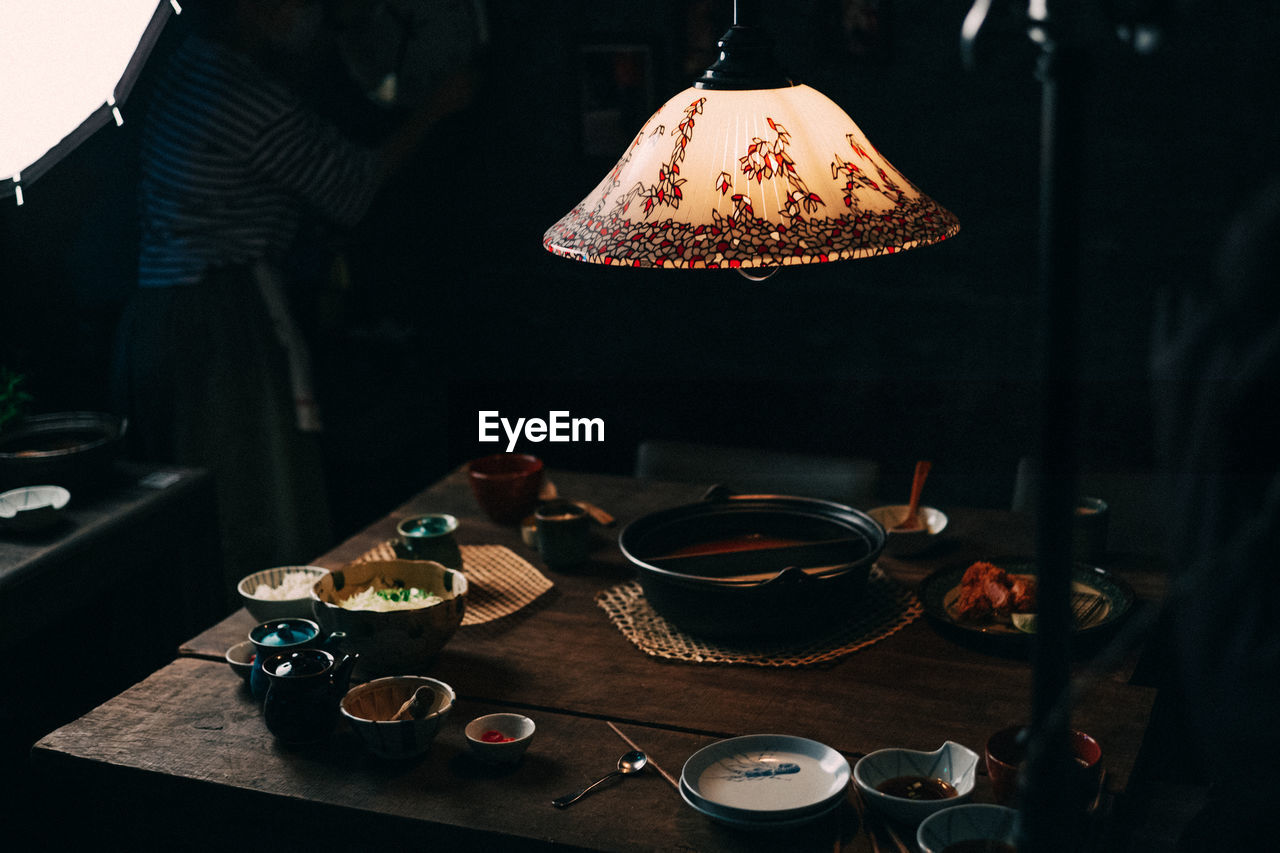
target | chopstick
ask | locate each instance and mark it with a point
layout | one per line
(860, 807)
(654, 764)
(874, 826)
(894, 837)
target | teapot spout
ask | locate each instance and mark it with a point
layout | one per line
(342, 673)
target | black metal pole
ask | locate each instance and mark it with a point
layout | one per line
(1047, 823)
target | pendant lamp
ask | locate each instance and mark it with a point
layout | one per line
(746, 170)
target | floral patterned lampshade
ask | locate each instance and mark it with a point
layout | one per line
(748, 178)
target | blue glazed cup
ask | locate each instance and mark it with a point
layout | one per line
(430, 537)
(283, 635)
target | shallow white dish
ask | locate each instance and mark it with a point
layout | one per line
(765, 823)
(32, 508)
(765, 777)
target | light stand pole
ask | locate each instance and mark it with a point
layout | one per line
(1047, 823)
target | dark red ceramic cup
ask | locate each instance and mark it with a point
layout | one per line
(1006, 751)
(506, 485)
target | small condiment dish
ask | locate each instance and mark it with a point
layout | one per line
(972, 822)
(515, 730)
(240, 658)
(908, 543)
(268, 609)
(890, 769)
(369, 708)
(31, 509)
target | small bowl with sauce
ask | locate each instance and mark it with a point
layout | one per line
(969, 828)
(908, 785)
(499, 738)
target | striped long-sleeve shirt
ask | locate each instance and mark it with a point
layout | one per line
(231, 160)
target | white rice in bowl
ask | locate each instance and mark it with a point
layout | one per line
(292, 585)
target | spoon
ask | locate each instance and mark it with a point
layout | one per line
(911, 521)
(632, 762)
(421, 701)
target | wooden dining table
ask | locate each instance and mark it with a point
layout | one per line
(185, 754)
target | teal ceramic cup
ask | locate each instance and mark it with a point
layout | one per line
(430, 537)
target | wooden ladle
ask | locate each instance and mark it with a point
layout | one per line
(417, 705)
(911, 521)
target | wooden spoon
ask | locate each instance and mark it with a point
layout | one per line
(911, 521)
(419, 703)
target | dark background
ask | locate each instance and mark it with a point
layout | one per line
(453, 305)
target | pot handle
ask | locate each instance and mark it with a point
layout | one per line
(794, 575)
(717, 493)
(790, 576)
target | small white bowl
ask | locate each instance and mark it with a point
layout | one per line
(970, 822)
(32, 508)
(267, 609)
(907, 543)
(240, 658)
(516, 726)
(952, 763)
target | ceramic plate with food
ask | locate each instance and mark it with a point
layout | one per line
(997, 599)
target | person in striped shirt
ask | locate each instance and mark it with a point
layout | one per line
(211, 368)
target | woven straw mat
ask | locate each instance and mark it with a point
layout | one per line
(499, 581)
(888, 608)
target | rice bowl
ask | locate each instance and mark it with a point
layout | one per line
(282, 592)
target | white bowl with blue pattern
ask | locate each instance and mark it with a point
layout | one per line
(969, 822)
(952, 763)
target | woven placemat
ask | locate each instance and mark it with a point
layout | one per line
(499, 581)
(886, 609)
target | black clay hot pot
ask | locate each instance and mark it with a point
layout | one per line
(737, 567)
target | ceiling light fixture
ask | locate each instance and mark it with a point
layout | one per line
(747, 170)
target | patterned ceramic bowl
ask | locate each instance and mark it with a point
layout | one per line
(902, 783)
(404, 640)
(974, 822)
(268, 608)
(368, 709)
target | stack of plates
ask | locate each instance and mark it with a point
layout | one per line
(765, 781)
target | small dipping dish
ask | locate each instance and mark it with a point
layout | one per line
(908, 543)
(909, 785)
(31, 509)
(499, 738)
(240, 659)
